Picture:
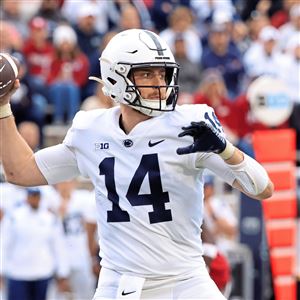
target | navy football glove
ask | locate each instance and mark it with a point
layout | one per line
(206, 139)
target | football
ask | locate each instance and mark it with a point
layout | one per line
(8, 72)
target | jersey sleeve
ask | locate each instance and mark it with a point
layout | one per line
(215, 164)
(78, 122)
(209, 116)
(83, 120)
(57, 163)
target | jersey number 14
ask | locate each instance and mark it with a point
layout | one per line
(157, 197)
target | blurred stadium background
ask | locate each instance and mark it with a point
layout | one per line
(242, 57)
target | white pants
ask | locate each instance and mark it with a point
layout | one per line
(82, 283)
(194, 286)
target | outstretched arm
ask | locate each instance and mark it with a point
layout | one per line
(239, 162)
(250, 177)
(16, 156)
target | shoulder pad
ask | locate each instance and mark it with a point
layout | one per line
(84, 119)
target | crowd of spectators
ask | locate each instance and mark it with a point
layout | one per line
(54, 227)
(59, 43)
(221, 46)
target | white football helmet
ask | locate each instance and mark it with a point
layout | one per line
(133, 49)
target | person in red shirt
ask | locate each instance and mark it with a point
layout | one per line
(39, 53)
(246, 122)
(212, 91)
(68, 73)
(281, 16)
(217, 263)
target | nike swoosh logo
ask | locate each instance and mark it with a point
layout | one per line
(2, 68)
(128, 293)
(150, 144)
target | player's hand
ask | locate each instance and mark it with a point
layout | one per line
(6, 98)
(206, 139)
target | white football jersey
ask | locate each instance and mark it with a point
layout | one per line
(149, 199)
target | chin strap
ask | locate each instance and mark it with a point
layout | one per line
(104, 89)
(147, 111)
(97, 79)
(5, 111)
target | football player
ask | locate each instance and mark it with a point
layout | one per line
(145, 159)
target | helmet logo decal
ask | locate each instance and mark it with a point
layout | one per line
(159, 48)
(132, 52)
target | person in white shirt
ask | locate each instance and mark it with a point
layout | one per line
(291, 65)
(290, 28)
(33, 250)
(92, 234)
(205, 9)
(219, 217)
(181, 23)
(145, 158)
(73, 208)
(264, 57)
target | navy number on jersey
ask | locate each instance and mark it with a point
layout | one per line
(73, 224)
(214, 121)
(107, 168)
(157, 197)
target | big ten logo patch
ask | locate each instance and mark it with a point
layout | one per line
(101, 146)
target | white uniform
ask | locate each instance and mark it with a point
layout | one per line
(12, 196)
(81, 277)
(149, 199)
(33, 245)
(221, 209)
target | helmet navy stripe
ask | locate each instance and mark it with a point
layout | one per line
(159, 49)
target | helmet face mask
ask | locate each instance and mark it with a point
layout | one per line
(132, 50)
(161, 104)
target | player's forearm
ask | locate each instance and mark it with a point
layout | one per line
(17, 157)
(236, 158)
(251, 177)
(266, 193)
